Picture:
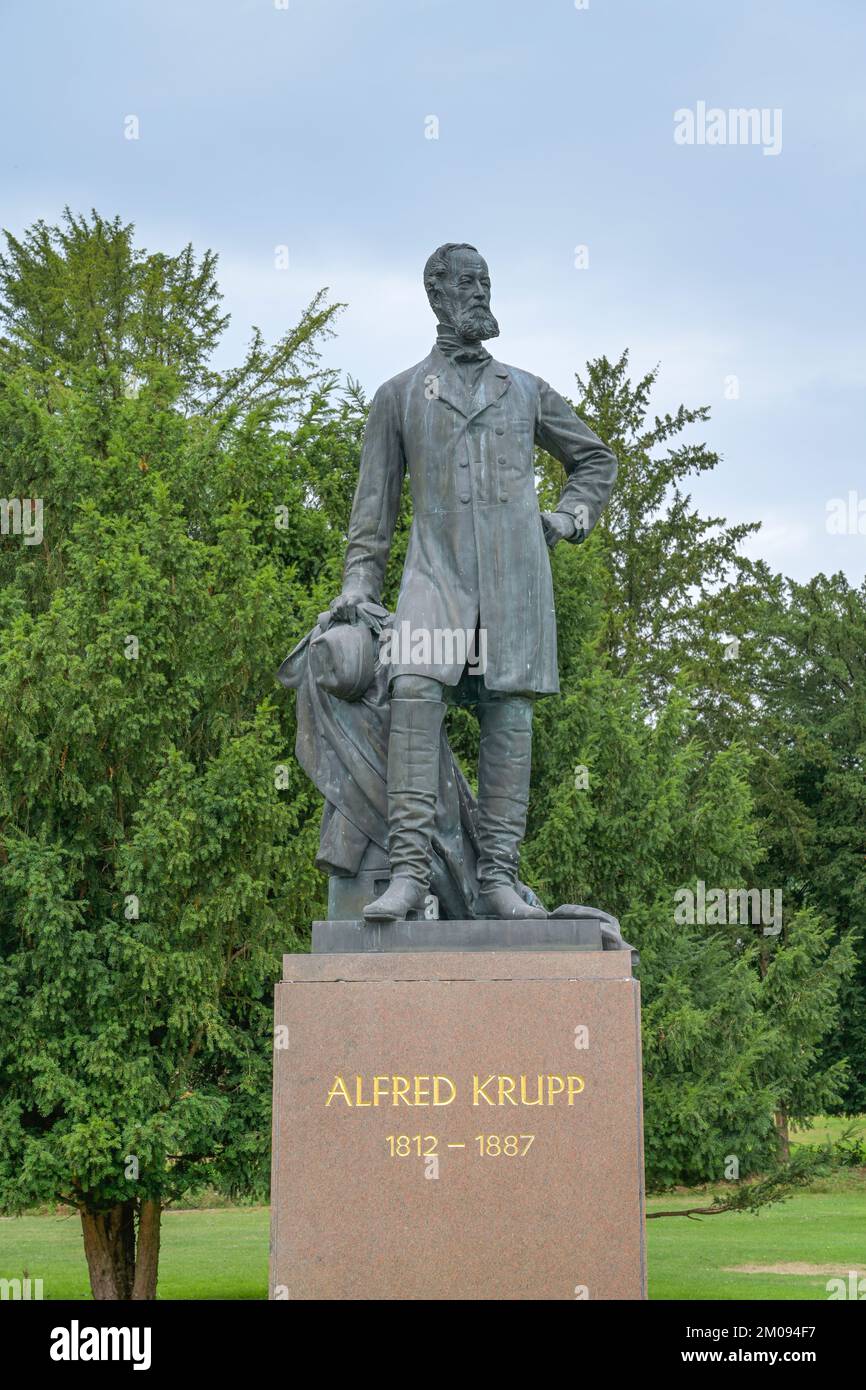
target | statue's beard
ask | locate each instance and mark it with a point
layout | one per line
(474, 325)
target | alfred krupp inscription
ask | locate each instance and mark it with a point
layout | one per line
(363, 1092)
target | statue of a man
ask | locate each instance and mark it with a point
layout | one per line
(465, 426)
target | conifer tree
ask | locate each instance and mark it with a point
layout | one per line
(156, 835)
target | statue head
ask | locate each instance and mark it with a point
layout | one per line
(458, 286)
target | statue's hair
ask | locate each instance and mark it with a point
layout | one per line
(437, 265)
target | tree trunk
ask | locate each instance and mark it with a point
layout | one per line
(147, 1254)
(783, 1136)
(118, 1270)
(109, 1244)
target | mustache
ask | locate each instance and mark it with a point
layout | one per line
(477, 324)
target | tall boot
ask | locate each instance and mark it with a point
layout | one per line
(504, 765)
(413, 787)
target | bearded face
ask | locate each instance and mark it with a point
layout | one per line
(463, 299)
(476, 323)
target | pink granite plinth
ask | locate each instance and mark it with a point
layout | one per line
(458, 1126)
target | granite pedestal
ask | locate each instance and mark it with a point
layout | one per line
(454, 1122)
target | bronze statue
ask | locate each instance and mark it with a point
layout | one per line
(475, 615)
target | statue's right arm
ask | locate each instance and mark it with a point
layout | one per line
(376, 504)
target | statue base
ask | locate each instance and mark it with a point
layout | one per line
(461, 1122)
(521, 934)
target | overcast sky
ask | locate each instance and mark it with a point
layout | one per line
(736, 266)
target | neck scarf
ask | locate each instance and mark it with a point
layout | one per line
(459, 349)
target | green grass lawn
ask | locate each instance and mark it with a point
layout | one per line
(696, 1259)
(830, 1128)
(224, 1253)
(205, 1254)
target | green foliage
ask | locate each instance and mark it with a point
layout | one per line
(156, 834)
(657, 769)
(668, 595)
(813, 725)
(850, 1151)
(777, 1184)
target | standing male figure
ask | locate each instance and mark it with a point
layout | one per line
(464, 425)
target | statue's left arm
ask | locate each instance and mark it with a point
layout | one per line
(589, 463)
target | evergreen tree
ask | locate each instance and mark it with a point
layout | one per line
(156, 836)
(811, 679)
(652, 772)
(669, 600)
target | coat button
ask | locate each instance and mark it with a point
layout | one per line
(502, 459)
(500, 429)
(463, 497)
(464, 463)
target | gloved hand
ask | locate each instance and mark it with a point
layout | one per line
(558, 526)
(344, 608)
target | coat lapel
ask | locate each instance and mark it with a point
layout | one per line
(442, 382)
(494, 382)
(449, 387)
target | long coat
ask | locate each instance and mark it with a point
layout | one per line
(477, 554)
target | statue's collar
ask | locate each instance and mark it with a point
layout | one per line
(458, 349)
